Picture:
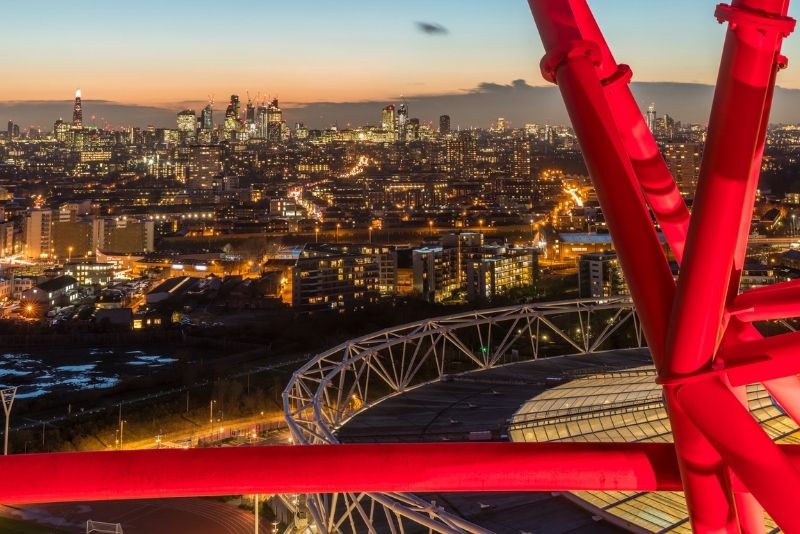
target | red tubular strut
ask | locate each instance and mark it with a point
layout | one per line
(422, 467)
(707, 310)
(700, 334)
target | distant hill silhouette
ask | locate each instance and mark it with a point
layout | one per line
(518, 102)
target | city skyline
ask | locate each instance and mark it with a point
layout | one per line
(167, 55)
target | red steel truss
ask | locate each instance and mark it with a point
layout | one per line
(699, 330)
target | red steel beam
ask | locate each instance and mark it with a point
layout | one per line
(572, 63)
(382, 468)
(750, 53)
(657, 184)
(576, 65)
(768, 473)
(419, 467)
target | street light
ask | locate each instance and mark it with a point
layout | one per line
(7, 395)
(69, 253)
(211, 418)
(121, 429)
(316, 235)
(430, 226)
(338, 225)
(369, 231)
(480, 225)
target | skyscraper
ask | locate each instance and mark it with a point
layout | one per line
(234, 106)
(10, 131)
(261, 122)
(61, 131)
(444, 123)
(651, 117)
(402, 119)
(231, 125)
(187, 124)
(274, 121)
(77, 111)
(250, 115)
(207, 118)
(388, 118)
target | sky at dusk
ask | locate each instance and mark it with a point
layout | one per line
(174, 53)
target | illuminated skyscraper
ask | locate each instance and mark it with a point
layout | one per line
(233, 107)
(207, 118)
(77, 111)
(402, 119)
(61, 131)
(250, 115)
(187, 124)
(231, 125)
(274, 121)
(651, 117)
(388, 118)
(444, 123)
(261, 122)
(412, 129)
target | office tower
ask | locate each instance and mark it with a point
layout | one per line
(187, 124)
(234, 106)
(444, 123)
(61, 131)
(402, 119)
(10, 131)
(261, 122)
(274, 121)
(250, 114)
(388, 118)
(651, 117)
(501, 125)
(521, 159)
(207, 118)
(231, 125)
(412, 129)
(665, 128)
(77, 111)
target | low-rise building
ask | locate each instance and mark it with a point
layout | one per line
(58, 291)
(89, 273)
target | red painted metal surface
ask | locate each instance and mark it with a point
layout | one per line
(716, 441)
(86, 476)
(333, 468)
(699, 331)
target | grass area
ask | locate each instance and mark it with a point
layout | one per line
(15, 526)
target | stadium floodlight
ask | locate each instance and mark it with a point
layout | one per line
(7, 395)
(103, 528)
